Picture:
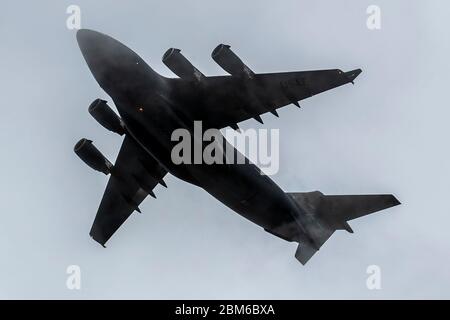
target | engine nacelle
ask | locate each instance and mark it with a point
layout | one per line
(92, 156)
(104, 115)
(230, 62)
(181, 66)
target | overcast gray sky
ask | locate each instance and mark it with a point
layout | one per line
(387, 134)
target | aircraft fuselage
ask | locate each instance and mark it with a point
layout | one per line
(155, 111)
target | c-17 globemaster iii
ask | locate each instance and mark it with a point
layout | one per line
(151, 107)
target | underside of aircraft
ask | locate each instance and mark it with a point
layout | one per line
(151, 107)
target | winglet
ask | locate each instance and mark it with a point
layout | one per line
(352, 75)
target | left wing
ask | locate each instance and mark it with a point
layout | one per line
(229, 100)
(133, 177)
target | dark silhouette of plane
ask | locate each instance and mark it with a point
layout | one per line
(151, 107)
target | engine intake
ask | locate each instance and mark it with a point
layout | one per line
(181, 66)
(104, 115)
(90, 155)
(230, 62)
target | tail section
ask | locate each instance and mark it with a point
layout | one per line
(326, 214)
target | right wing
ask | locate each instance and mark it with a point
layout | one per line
(133, 177)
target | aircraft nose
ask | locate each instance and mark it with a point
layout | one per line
(111, 63)
(82, 34)
(99, 51)
(92, 44)
(86, 38)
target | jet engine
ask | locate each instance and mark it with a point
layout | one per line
(104, 115)
(87, 152)
(181, 66)
(230, 62)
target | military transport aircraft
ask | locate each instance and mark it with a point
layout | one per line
(151, 107)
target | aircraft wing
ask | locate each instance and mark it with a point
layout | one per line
(229, 100)
(133, 177)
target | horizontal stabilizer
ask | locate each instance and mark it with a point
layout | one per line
(335, 210)
(351, 207)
